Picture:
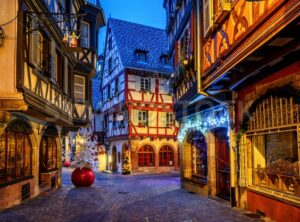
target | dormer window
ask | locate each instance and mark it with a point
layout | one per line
(165, 60)
(141, 55)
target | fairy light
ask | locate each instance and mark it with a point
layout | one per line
(203, 122)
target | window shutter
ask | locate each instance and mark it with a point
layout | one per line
(135, 115)
(33, 48)
(163, 118)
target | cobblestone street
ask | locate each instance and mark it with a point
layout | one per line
(123, 198)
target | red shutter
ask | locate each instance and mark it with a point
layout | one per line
(192, 31)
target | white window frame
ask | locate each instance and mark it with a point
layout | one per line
(145, 84)
(82, 85)
(143, 117)
(170, 119)
(88, 34)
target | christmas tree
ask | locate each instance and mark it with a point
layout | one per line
(85, 151)
(126, 166)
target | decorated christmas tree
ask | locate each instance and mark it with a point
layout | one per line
(85, 152)
(126, 165)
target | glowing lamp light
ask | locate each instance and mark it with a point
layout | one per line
(185, 62)
(109, 158)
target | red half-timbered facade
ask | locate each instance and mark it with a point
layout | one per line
(137, 100)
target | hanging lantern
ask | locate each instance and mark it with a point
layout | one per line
(74, 40)
(65, 39)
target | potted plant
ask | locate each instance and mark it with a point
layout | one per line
(83, 175)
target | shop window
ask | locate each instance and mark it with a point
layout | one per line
(199, 156)
(48, 150)
(79, 88)
(166, 156)
(275, 161)
(15, 152)
(146, 156)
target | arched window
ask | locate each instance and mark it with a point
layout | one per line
(146, 156)
(48, 150)
(15, 152)
(166, 156)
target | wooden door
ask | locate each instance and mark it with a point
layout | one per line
(222, 166)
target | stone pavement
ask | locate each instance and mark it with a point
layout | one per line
(114, 197)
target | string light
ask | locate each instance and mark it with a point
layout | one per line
(203, 122)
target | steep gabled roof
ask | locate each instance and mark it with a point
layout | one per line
(131, 37)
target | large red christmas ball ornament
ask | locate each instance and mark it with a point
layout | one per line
(84, 177)
(67, 163)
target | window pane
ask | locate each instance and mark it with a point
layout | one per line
(79, 88)
(84, 35)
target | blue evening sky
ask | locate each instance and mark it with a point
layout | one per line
(147, 12)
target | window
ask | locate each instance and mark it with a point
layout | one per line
(166, 156)
(143, 118)
(119, 157)
(275, 158)
(79, 88)
(169, 119)
(145, 84)
(48, 150)
(110, 43)
(108, 91)
(59, 69)
(199, 156)
(116, 86)
(141, 56)
(146, 156)
(40, 52)
(15, 152)
(84, 34)
(110, 68)
(165, 61)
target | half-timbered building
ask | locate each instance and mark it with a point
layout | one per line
(252, 49)
(137, 101)
(203, 119)
(47, 57)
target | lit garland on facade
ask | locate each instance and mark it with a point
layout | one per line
(203, 122)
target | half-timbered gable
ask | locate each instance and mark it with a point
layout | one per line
(137, 101)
